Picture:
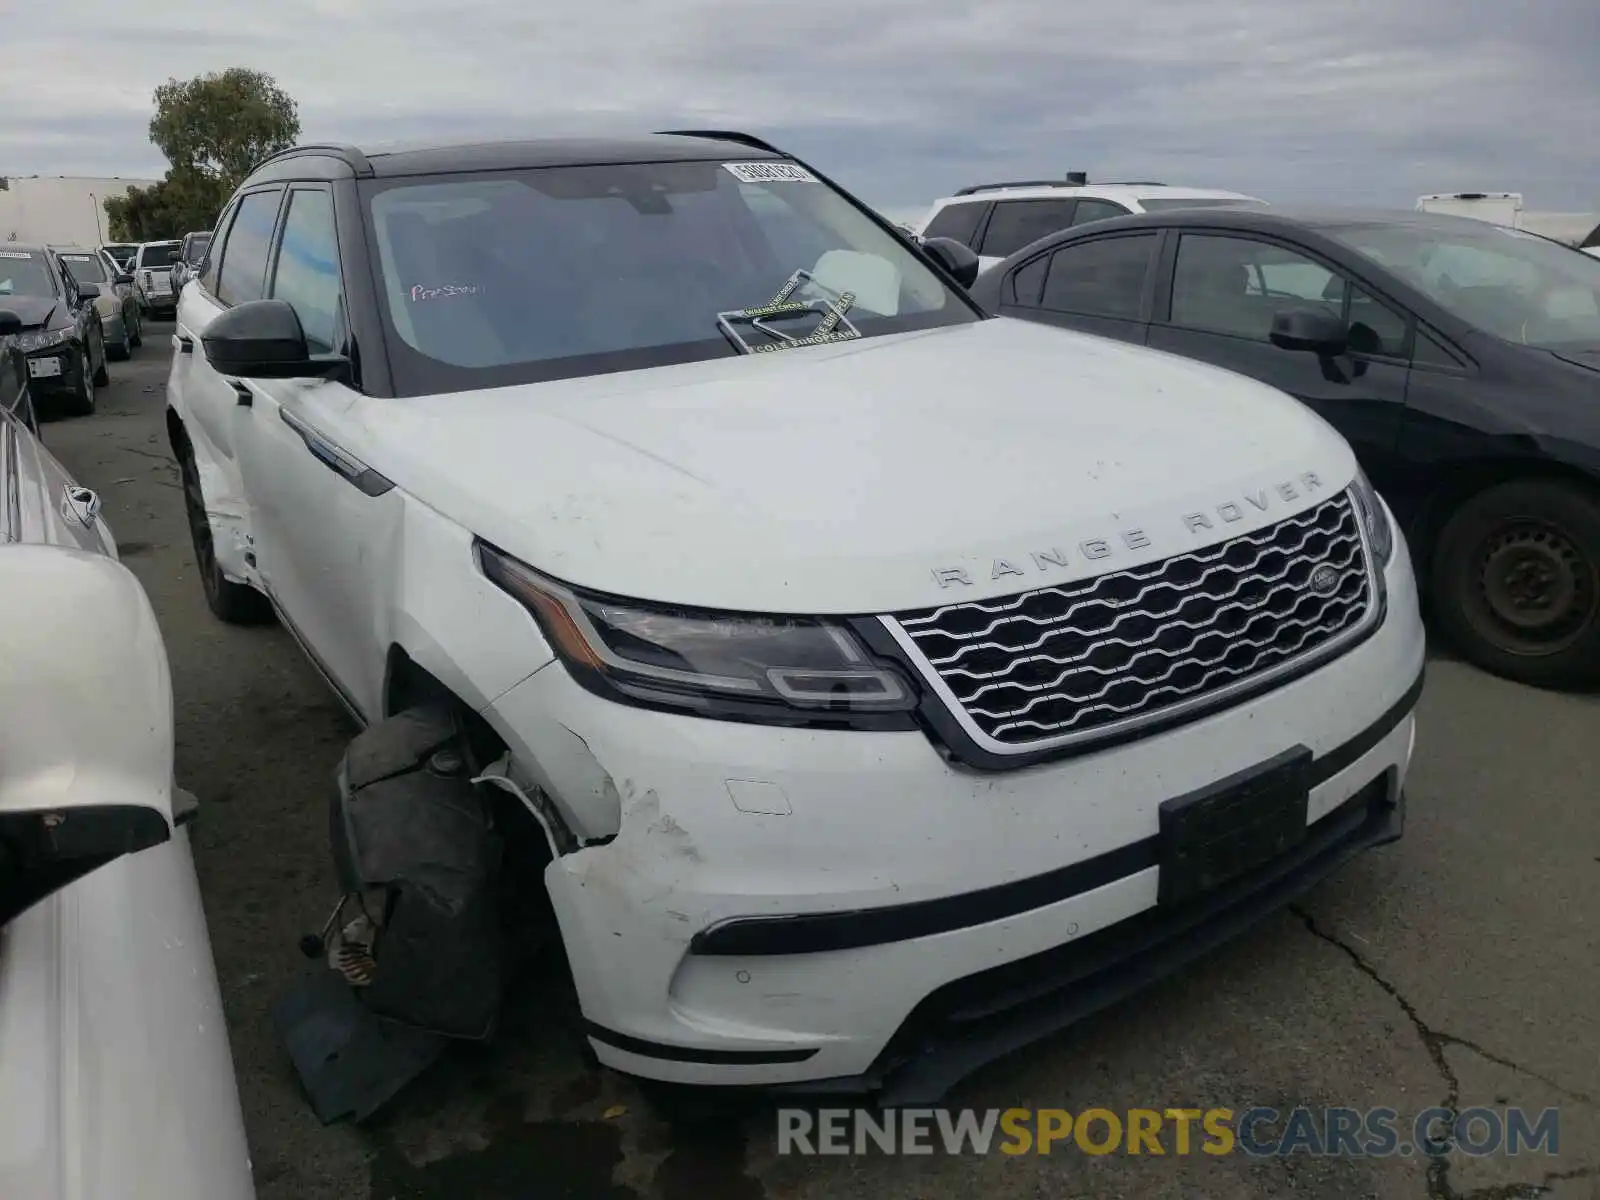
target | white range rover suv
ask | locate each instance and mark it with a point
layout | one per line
(874, 686)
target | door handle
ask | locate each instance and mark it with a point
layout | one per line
(185, 344)
(241, 394)
(80, 504)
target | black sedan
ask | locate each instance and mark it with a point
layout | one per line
(1460, 359)
(61, 336)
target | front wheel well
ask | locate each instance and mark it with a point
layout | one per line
(1467, 480)
(177, 435)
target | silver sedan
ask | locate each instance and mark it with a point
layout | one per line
(118, 305)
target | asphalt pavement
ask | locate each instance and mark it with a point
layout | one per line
(1458, 967)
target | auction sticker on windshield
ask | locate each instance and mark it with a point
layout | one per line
(15, 254)
(770, 172)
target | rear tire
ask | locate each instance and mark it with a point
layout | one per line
(1516, 582)
(233, 603)
(121, 351)
(136, 332)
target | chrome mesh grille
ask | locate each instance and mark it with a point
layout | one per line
(1060, 663)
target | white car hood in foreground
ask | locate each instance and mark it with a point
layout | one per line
(842, 479)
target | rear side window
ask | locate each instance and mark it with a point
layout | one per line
(1017, 223)
(958, 221)
(1101, 278)
(1027, 282)
(244, 258)
(1097, 210)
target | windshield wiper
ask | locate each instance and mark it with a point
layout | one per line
(834, 326)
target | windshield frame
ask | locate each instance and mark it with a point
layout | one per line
(413, 373)
(42, 257)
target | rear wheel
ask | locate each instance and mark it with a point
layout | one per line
(235, 603)
(122, 350)
(135, 327)
(1516, 582)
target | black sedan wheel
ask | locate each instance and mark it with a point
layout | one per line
(1516, 581)
(135, 321)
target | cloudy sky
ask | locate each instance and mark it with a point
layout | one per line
(901, 100)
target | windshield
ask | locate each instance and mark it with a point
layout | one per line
(1167, 202)
(86, 268)
(566, 271)
(163, 255)
(23, 273)
(1515, 285)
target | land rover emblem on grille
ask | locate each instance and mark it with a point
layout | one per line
(1324, 580)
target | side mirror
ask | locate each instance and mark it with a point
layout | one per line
(955, 257)
(1313, 329)
(123, 280)
(89, 292)
(86, 746)
(10, 323)
(263, 339)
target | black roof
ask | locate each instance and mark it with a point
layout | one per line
(436, 156)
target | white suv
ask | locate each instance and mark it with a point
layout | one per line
(851, 677)
(998, 219)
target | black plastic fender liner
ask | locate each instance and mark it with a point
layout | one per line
(408, 820)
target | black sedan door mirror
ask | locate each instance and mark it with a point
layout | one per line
(88, 292)
(263, 339)
(955, 257)
(10, 323)
(123, 280)
(1313, 329)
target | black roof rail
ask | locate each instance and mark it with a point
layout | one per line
(356, 160)
(1134, 183)
(1015, 183)
(722, 135)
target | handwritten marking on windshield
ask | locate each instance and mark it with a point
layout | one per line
(443, 293)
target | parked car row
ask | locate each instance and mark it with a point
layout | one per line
(59, 327)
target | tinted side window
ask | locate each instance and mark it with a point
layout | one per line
(1096, 210)
(1375, 328)
(244, 259)
(1027, 282)
(1430, 352)
(1101, 278)
(308, 266)
(1236, 286)
(208, 276)
(1016, 223)
(958, 221)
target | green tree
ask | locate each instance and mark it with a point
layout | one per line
(221, 125)
(213, 129)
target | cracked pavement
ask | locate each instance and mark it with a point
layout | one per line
(1459, 967)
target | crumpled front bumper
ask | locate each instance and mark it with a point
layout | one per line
(794, 906)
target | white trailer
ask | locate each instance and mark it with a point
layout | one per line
(1501, 208)
(58, 209)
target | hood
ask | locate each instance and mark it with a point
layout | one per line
(862, 477)
(1580, 358)
(33, 311)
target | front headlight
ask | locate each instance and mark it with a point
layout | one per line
(42, 339)
(785, 670)
(1374, 519)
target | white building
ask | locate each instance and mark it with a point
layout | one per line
(58, 208)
